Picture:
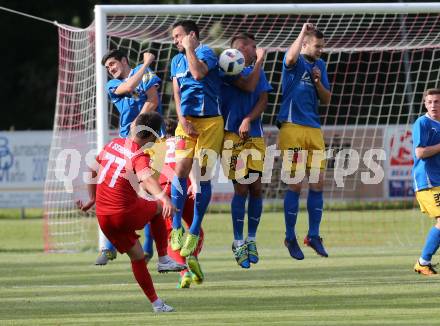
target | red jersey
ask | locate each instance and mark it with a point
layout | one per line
(167, 172)
(117, 185)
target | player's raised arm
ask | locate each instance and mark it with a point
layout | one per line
(152, 102)
(295, 49)
(130, 84)
(250, 82)
(197, 67)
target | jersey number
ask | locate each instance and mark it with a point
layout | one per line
(110, 160)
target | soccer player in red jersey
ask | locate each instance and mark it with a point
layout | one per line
(124, 172)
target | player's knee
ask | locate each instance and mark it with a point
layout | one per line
(316, 186)
(296, 187)
(255, 189)
(241, 189)
(183, 168)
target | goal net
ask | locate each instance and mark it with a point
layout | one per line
(380, 58)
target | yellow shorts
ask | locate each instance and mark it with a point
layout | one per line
(301, 145)
(157, 155)
(208, 142)
(239, 156)
(429, 201)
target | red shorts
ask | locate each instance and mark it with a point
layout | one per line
(121, 228)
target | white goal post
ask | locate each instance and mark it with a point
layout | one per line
(380, 58)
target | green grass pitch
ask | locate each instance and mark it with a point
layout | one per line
(363, 282)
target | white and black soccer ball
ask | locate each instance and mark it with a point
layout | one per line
(231, 61)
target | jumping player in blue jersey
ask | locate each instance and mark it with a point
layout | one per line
(132, 91)
(426, 174)
(244, 99)
(196, 88)
(304, 87)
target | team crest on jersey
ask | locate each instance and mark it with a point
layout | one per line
(305, 78)
(148, 76)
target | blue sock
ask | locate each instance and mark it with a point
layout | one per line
(200, 206)
(291, 204)
(315, 203)
(109, 245)
(238, 205)
(432, 243)
(255, 207)
(178, 199)
(148, 243)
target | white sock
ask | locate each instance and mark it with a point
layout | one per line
(424, 262)
(164, 259)
(157, 303)
(238, 243)
(251, 238)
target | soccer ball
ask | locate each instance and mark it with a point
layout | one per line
(231, 61)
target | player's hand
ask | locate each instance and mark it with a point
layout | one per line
(148, 58)
(191, 193)
(243, 131)
(260, 54)
(189, 128)
(316, 75)
(307, 27)
(168, 208)
(189, 41)
(85, 207)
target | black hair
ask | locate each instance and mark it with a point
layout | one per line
(243, 36)
(170, 127)
(188, 26)
(315, 33)
(148, 124)
(116, 53)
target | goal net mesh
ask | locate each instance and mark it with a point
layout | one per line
(378, 67)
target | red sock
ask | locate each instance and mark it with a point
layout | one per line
(143, 278)
(159, 231)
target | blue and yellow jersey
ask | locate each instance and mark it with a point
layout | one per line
(237, 104)
(198, 98)
(129, 105)
(300, 99)
(426, 172)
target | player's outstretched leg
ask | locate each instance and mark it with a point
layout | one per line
(423, 265)
(291, 205)
(315, 204)
(144, 280)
